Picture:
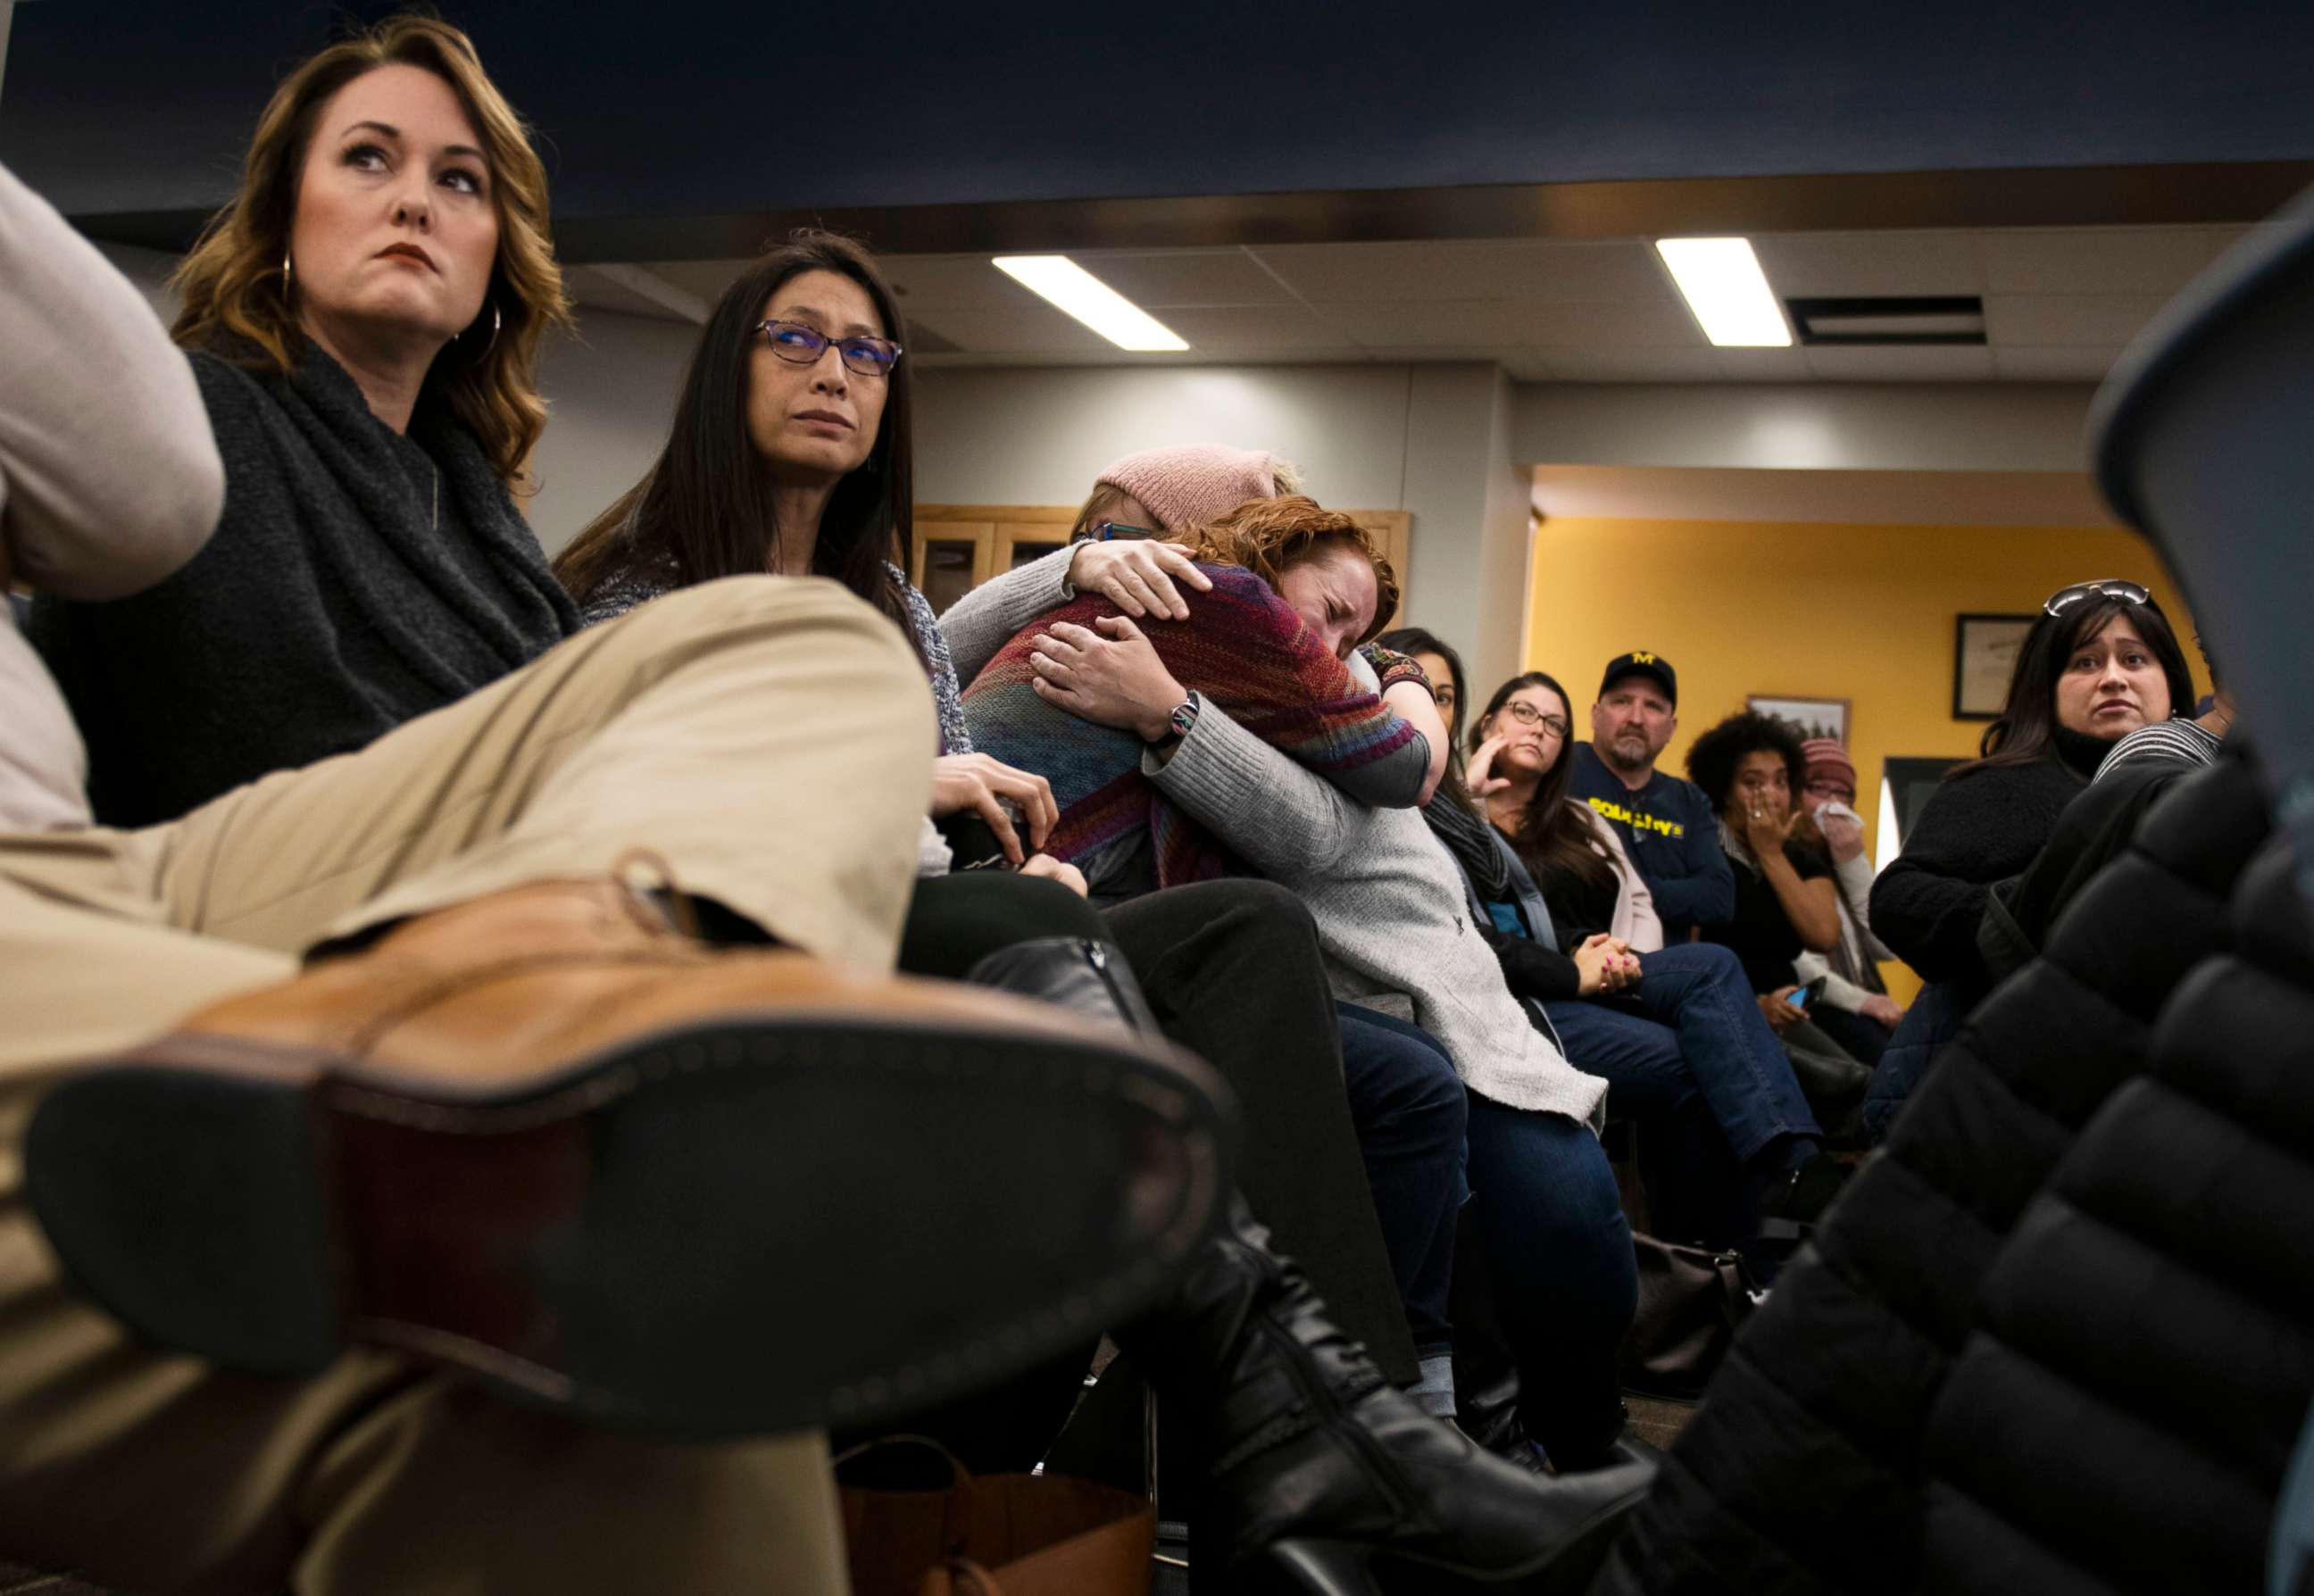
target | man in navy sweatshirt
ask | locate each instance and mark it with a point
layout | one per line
(1666, 825)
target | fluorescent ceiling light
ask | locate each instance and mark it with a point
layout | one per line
(1724, 286)
(1090, 301)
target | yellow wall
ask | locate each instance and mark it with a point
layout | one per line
(1860, 613)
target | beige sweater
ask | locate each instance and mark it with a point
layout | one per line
(109, 480)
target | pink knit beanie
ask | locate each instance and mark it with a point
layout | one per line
(1192, 483)
(1823, 753)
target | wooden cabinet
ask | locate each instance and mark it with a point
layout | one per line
(960, 546)
(952, 556)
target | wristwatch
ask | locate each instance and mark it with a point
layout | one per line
(1181, 722)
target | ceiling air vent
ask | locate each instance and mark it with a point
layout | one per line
(1954, 319)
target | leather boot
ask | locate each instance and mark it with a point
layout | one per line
(1088, 979)
(1486, 1375)
(1322, 1478)
(547, 1137)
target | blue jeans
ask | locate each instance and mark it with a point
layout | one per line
(1408, 1105)
(1687, 1053)
(1558, 1254)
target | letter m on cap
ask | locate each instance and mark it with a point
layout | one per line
(1641, 656)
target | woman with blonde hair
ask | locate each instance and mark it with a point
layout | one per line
(363, 319)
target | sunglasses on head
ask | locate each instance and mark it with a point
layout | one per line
(2066, 599)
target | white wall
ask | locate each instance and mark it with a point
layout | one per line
(1431, 440)
(611, 392)
(1807, 427)
(148, 270)
(1041, 435)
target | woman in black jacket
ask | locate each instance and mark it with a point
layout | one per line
(2100, 662)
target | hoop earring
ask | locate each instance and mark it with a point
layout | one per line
(491, 341)
(287, 282)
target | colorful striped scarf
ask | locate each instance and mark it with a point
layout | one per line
(1244, 652)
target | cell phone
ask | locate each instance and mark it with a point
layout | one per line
(1808, 994)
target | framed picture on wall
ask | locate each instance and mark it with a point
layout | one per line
(1810, 716)
(1984, 654)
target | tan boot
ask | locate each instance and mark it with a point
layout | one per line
(545, 1136)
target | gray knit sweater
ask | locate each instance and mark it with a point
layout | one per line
(1390, 907)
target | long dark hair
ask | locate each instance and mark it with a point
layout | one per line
(1553, 841)
(2029, 720)
(704, 510)
(1416, 640)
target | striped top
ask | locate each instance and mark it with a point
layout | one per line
(2171, 742)
(1242, 649)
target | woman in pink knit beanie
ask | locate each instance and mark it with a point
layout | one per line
(1187, 485)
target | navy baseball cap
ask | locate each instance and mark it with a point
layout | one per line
(1642, 662)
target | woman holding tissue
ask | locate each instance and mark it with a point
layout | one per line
(1856, 1009)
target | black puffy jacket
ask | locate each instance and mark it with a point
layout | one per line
(2059, 1336)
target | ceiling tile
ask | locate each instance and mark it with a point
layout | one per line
(2103, 320)
(1035, 331)
(952, 282)
(1834, 264)
(1918, 363)
(1761, 365)
(705, 278)
(2028, 365)
(1514, 323)
(1440, 354)
(1616, 366)
(2098, 259)
(1163, 280)
(593, 290)
(1224, 329)
(1471, 269)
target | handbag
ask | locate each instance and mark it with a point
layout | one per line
(1692, 1303)
(995, 1535)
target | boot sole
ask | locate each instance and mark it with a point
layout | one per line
(738, 1228)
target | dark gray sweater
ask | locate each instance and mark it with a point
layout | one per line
(329, 607)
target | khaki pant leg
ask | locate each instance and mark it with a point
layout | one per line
(752, 733)
(770, 738)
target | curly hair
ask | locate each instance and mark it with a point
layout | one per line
(1271, 536)
(237, 301)
(1712, 759)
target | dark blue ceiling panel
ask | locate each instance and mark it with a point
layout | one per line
(675, 110)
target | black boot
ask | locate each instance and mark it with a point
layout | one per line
(1486, 1376)
(1322, 1478)
(1088, 979)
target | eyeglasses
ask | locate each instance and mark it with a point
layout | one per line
(2082, 592)
(1528, 715)
(1106, 530)
(800, 344)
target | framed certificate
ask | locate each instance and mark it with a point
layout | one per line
(1984, 657)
